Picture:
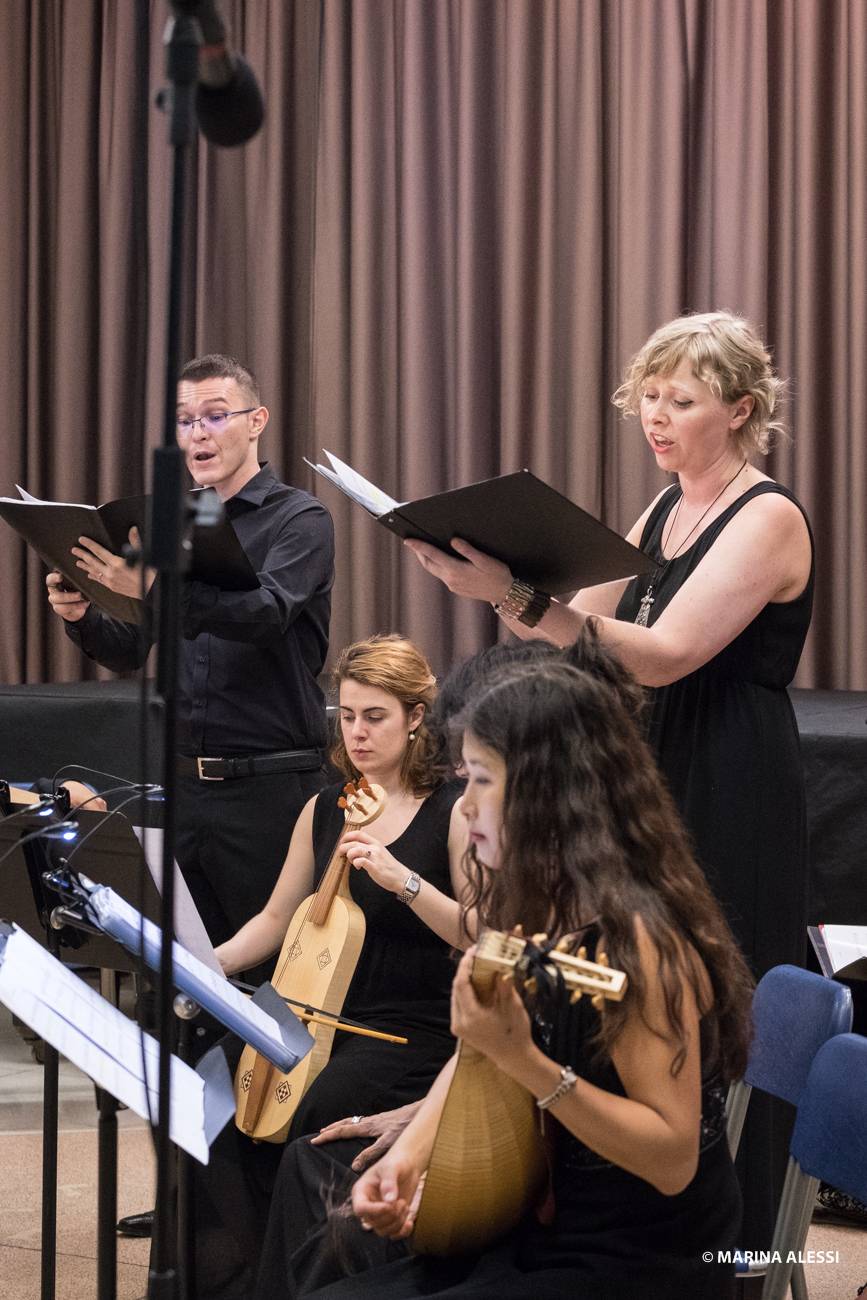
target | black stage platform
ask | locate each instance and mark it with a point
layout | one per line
(96, 723)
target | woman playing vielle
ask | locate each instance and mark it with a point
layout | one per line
(406, 875)
(572, 832)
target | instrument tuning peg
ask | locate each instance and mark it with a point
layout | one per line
(582, 953)
(517, 931)
(349, 788)
(365, 785)
(539, 939)
(341, 802)
(532, 984)
(598, 1001)
(602, 958)
(563, 945)
(576, 996)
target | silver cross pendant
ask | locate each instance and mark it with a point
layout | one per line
(644, 608)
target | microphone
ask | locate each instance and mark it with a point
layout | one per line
(229, 103)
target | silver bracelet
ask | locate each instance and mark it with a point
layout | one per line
(568, 1079)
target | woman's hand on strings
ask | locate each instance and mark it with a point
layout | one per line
(364, 851)
(500, 1029)
(477, 576)
(385, 1128)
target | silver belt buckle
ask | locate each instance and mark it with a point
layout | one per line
(202, 774)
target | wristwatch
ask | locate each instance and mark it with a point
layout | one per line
(409, 893)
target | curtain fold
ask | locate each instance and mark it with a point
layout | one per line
(458, 222)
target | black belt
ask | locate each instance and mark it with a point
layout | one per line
(230, 769)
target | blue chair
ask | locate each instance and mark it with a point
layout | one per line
(829, 1143)
(794, 1013)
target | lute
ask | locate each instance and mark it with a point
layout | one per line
(488, 1166)
(315, 965)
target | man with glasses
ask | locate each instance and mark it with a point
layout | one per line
(251, 716)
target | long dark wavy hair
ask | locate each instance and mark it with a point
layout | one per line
(590, 834)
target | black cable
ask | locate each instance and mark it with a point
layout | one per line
(113, 813)
(47, 832)
(92, 771)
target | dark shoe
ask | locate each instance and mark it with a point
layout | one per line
(136, 1225)
(833, 1206)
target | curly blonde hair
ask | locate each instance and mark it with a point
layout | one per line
(394, 664)
(725, 353)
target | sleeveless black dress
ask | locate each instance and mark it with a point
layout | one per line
(401, 984)
(726, 740)
(612, 1236)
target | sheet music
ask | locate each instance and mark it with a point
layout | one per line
(107, 1046)
(354, 485)
(846, 944)
(24, 495)
(214, 992)
(189, 926)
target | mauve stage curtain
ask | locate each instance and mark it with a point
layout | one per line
(459, 221)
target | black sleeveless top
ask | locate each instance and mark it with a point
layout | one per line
(726, 740)
(612, 1235)
(611, 1223)
(405, 971)
(768, 649)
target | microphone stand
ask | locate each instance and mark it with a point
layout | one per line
(168, 551)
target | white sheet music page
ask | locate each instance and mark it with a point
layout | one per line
(846, 944)
(102, 1042)
(24, 495)
(354, 485)
(189, 926)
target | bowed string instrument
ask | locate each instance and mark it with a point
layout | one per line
(315, 966)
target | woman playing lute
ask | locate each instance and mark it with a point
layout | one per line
(572, 831)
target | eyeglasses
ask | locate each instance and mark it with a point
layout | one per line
(215, 422)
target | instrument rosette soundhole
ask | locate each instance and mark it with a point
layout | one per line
(283, 1091)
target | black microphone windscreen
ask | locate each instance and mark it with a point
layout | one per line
(231, 114)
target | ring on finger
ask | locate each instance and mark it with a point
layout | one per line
(356, 1119)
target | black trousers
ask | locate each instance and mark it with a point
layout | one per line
(232, 838)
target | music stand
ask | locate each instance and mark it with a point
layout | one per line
(112, 853)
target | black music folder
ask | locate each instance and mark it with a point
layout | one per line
(542, 536)
(52, 528)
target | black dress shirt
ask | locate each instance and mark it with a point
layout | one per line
(248, 660)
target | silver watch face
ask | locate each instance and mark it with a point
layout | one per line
(411, 888)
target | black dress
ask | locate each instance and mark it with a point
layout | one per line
(612, 1236)
(727, 741)
(401, 985)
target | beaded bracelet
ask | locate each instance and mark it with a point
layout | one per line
(523, 603)
(568, 1079)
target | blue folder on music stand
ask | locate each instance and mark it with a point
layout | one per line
(264, 1021)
